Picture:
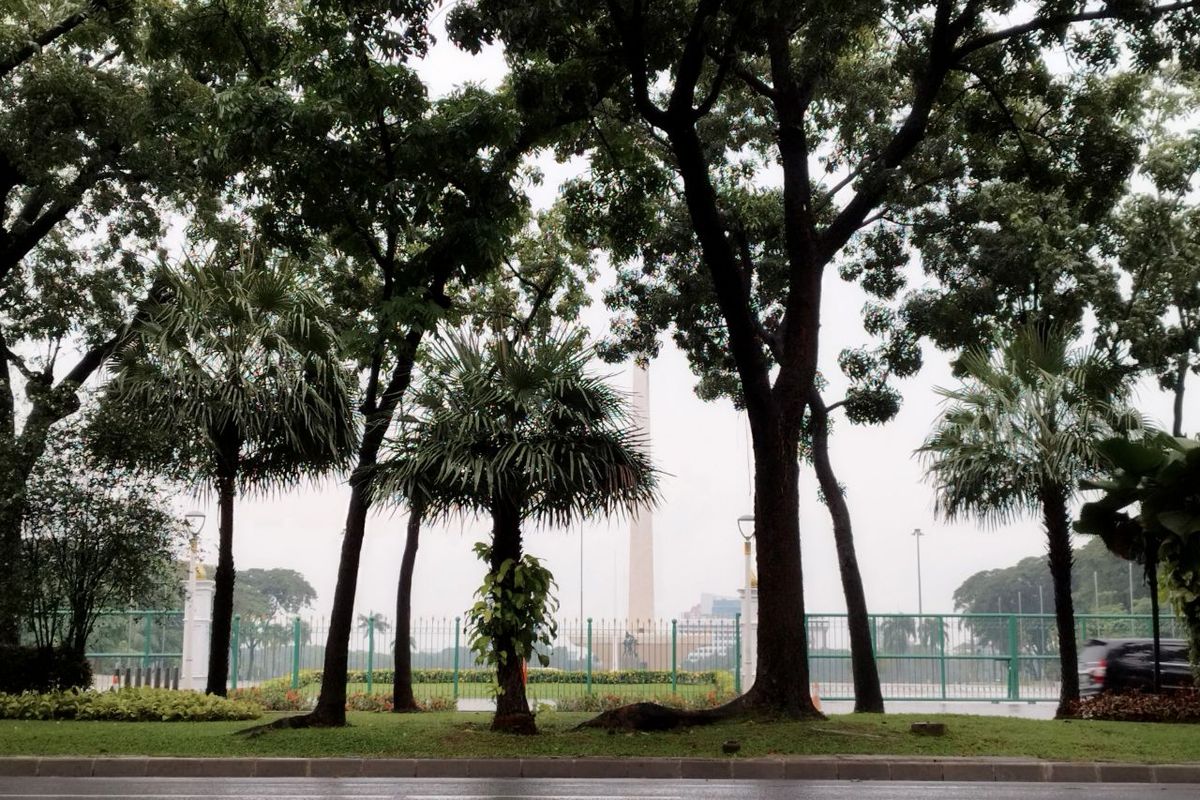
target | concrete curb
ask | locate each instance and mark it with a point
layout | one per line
(857, 768)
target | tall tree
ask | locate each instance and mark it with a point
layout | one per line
(242, 372)
(101, 127)
(1016, 438)
(665, 292)
(866, 92)
(96, 538)
(416, 196)
(260, 598)
(521, 431)
(1156, 246)
(543, 281)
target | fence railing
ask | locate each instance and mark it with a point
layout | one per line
(952, 657)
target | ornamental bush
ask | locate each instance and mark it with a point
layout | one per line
(142, 704)
(39, 669)
(273, 698)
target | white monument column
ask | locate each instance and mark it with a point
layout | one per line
(199, 633)
(197, 628)
(641, 530)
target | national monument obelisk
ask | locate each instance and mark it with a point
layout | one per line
(641, 529)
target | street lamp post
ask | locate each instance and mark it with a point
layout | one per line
(195, 522)
(747, 655)
(920, 602)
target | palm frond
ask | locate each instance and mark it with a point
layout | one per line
(1027, 416)
(525, 422)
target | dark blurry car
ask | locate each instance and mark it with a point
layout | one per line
(1123, 665)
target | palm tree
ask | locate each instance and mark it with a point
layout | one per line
(1016, 437)
(521, 431)
(897, 633)
(931, 633)
(239, 370)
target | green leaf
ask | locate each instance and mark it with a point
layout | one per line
(1137, 458)
(1181, 523)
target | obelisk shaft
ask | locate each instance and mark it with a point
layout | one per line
(641, 529)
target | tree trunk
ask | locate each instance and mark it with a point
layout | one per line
(222, 612)
(1155, 625)
(331, 702)
(775, 414)
(512, 706)
(402, 691)
(1058, 534)
(868, 697)
(781, 683)
(1180, 386)
(12, 565)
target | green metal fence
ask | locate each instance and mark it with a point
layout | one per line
(132, 639)
(952, 657)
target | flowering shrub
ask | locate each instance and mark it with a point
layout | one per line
(273, 698)
(438, 704)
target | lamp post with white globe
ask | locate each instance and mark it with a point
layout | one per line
(746, 528)
(195, 522)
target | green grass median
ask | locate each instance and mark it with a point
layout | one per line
(459, 734)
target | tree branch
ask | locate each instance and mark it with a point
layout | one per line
(1060, 20)
(34, 46)
(630, 32)
(38, 223)
(691, 62)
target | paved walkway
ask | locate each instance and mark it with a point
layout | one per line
(866, 768)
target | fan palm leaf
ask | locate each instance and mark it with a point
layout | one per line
(238, 370)
(1017, 436)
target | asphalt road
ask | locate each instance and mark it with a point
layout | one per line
(516, 789)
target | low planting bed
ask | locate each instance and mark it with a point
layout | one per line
(126, 705)
(1177, 706)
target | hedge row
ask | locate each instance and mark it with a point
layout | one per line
(309, 677)
(126, 705)
(37, 669)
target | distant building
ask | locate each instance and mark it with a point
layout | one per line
(712, 606)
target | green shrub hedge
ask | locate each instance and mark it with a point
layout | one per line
(38, 669)
(126, 705)
(309, 677)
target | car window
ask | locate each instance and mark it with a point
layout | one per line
(1174, 652)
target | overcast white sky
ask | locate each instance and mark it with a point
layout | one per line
(702, 448)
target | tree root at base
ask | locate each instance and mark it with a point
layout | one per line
(651, 717)
(296, 722)
(518, 723)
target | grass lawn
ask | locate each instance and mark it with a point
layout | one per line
(536, 691)
(461, 734)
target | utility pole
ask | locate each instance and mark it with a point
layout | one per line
(1096, 588)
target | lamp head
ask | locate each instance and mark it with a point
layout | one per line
(195, 521)
(742, 521)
